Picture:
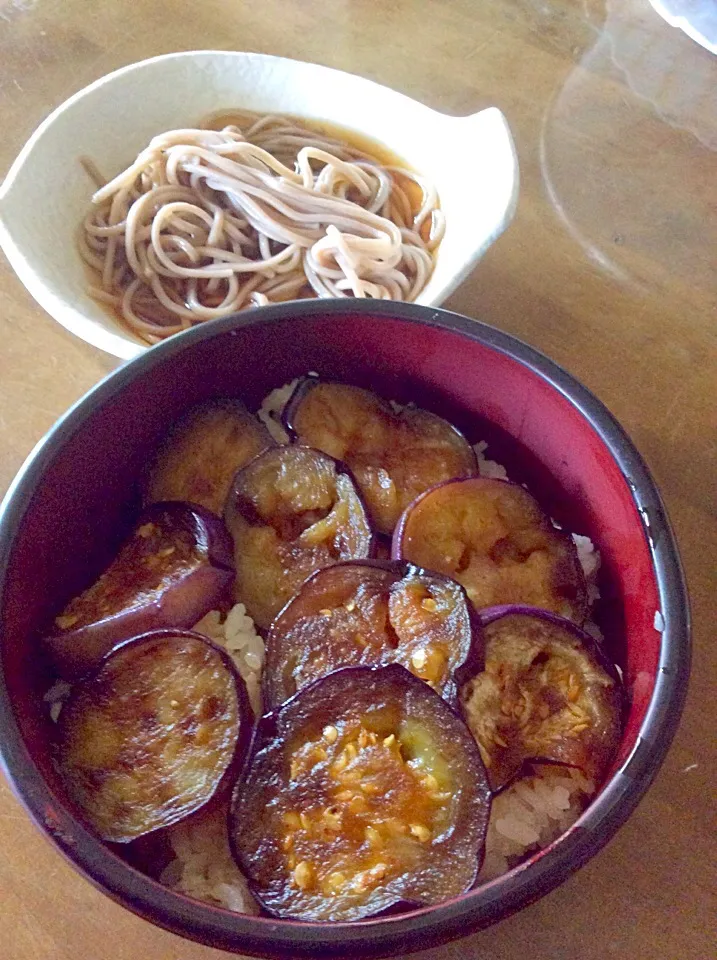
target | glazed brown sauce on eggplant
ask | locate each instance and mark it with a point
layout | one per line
(147, 740)
(162, 554)
(363, 806)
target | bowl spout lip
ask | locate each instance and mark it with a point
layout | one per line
(247, 55)
(426, 926)
(479, 199)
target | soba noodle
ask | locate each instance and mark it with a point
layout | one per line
(207, 222)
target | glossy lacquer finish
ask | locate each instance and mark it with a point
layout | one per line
(551, 433)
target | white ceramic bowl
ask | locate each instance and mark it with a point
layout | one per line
(45, 195)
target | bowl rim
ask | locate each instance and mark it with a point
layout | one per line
(427, 926)
(69, 308)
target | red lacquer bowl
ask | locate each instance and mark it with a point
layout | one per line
(75, 495)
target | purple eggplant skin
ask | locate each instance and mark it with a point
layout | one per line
(201, 453)
(288, 414)
(104, 691)
(274, 691)
(489, 615)
(180, 602)
(395, 910)
(400, 455)
(279, 525)
(561, 587)
(610, 705)
(402, 714)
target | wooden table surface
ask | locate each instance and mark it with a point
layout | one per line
(610, 267)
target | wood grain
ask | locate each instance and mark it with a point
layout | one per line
(609, 268)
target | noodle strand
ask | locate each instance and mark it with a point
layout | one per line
(206, 222)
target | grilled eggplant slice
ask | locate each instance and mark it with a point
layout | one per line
(493, 538)
(548, 694)
(373, 613)
(199, 457)
(292, 511)
(175, 567)
(362, 793)
(393, 456)
(154, 735)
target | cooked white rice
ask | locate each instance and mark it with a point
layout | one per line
(488, 468)
(271, 409)
(56, 696)
(237, 635)
(203, 867)
(532, 813)
(525, 817)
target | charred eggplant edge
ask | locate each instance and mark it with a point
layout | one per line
(265, 728)
(472, 664)
(212, 539)
(400, 529)
(307, 383)
(488, 615)
(240, 756)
